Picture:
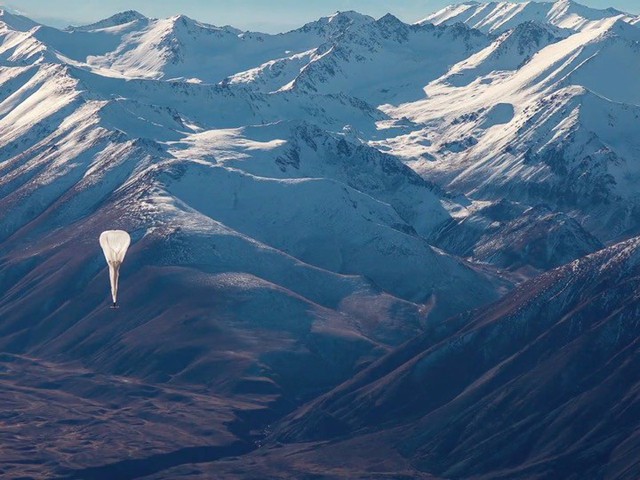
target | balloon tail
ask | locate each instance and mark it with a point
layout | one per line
(114, 274)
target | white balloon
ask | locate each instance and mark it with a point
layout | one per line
(114, 244)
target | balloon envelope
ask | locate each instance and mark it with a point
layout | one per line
(114, 244)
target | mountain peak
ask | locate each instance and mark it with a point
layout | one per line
(336, 23)
(129, 15)
(392, 25)
(570, 7)
(348, 15)
(182, 20)
(121, 18)
(390, 19)
(180, 17)
(574, 4)
(182, 24)
(16, 21)
(624, 30)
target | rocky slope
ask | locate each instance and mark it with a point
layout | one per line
(542, 383)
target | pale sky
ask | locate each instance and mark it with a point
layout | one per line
(263, 15)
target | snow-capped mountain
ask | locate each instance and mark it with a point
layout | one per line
(131, 45)
(180, 47)
(498, 17)
(119, 20)
(509, 52)
(301, 205)
(352, 63)
(557, 130)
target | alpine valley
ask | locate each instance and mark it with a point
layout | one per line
(360, 249)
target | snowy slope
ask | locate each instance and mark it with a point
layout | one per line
(331, 226)
(271, 76)
(498, 17)
(355, 63)
(509, 52)
(557, 130)
(298, 149)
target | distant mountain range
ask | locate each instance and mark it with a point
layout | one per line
(361, 248)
